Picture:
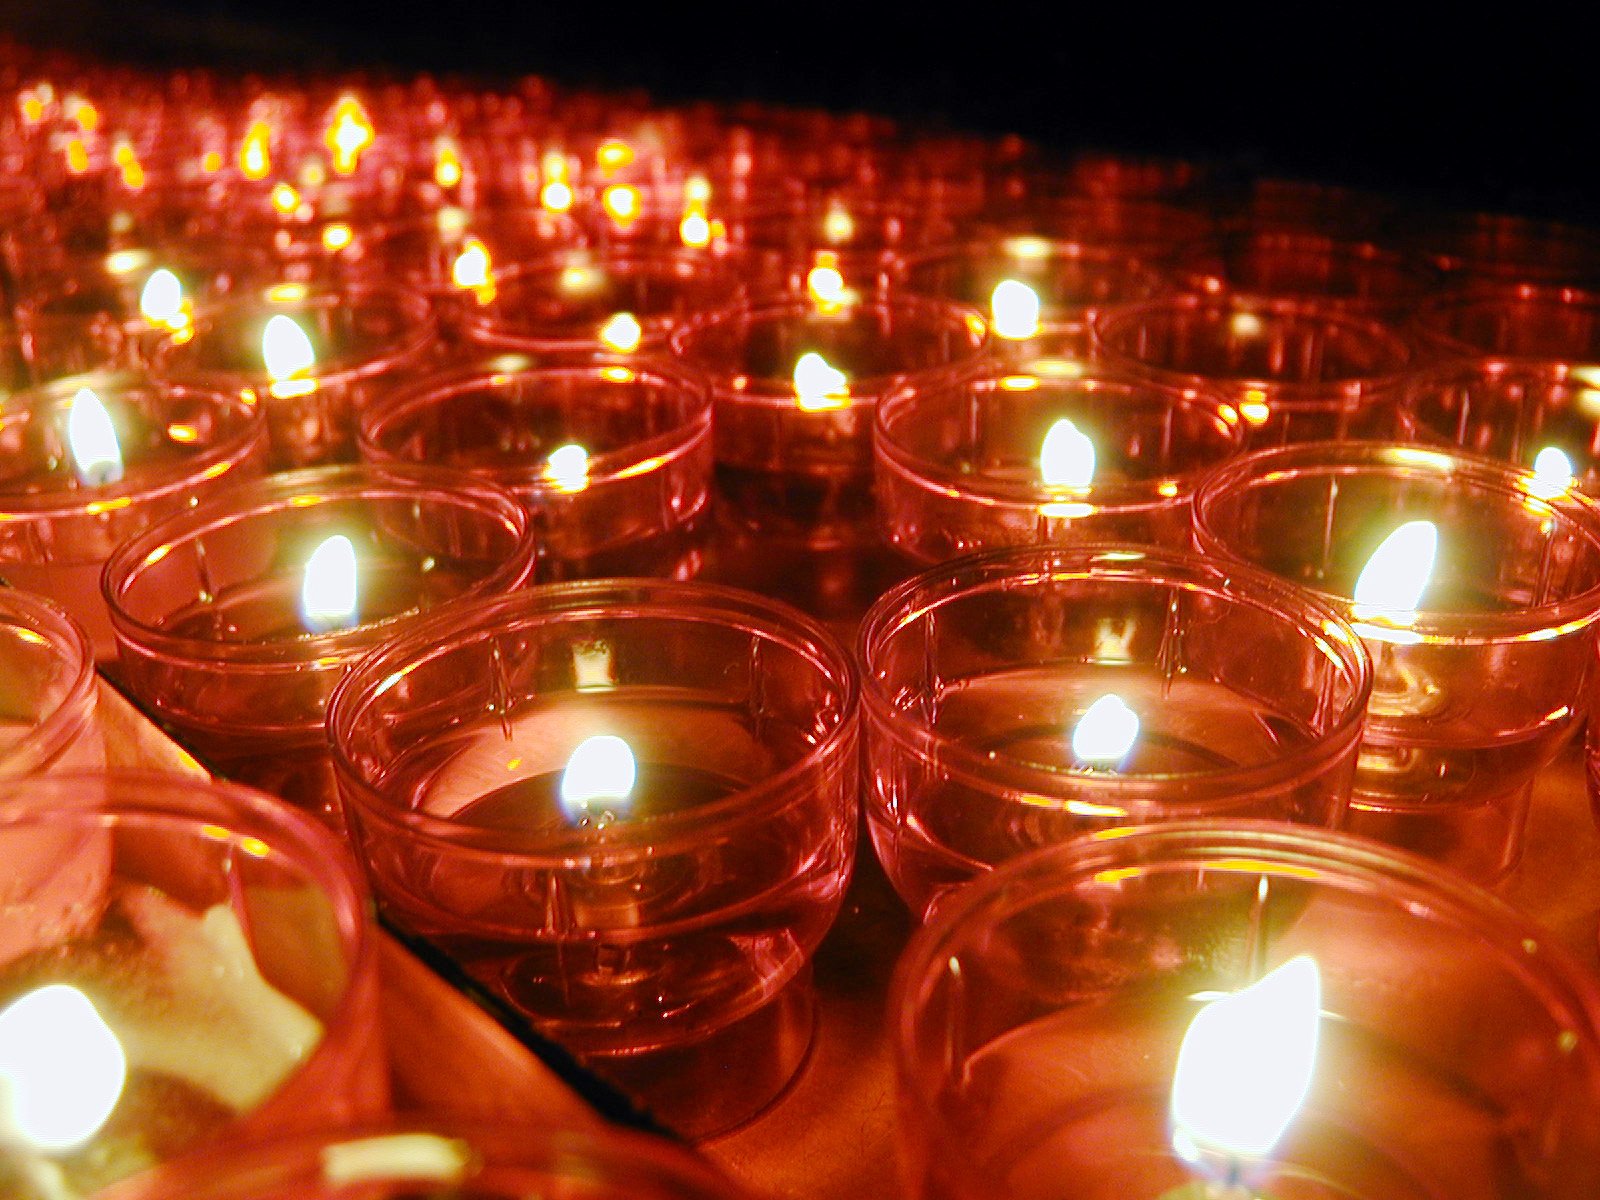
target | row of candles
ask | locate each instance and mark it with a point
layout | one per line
(1211, 526)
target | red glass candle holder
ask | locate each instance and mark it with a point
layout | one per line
(1349, 276)
(196, 958)
(361, 340)
(1295, 372)
(1066, 282)
(611, 458)
(1482, 674)
(462, 1162)
(627, 807)
(587, 301)
(1516, 323)
(48, 690)
(1498, 248)
(1146, 229)
(794, 384)
(983, 460)
(60, 518)
(988, 683)
(209, 606)
(776, 248)
(1444, 1045)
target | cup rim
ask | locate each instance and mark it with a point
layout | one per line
(55, 730)
(435, 636)
(1438, 627)
(298, 489)
(1118, 792)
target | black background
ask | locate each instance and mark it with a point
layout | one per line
(1500, 113)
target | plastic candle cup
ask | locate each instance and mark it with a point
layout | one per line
(628, 807)
(1020, 698)
(1477, 589)
(794, 384)
(88, 461)
(611, 457)
(1210, 1011)
(181, 962)
(1047, 451)
(235, 619)
(1295, 371)
(451, 1160)
(47, 690)
(313, 357)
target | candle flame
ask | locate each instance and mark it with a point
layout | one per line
(1014, 307)
(1246, 325)
(470, 270)
(838, 226)
(1245, 1067)
(337, 236)
(284, 198)
(696, 191)
(211, 162)
(328, 592)
(1066, 457)
(1552, 473)
(567, 468)
(613, 154)
(285, 349)
(825, 282)
(622, 333)
(621, 202)
(255, 154)
(818, 385)
(1392, 582)
(1105, 732)
(161, 300)
(92, 441)
(694, 230)
(602, 768)
(77, 156)
(349, 133)
(447, 165)
(62, 1070)
(556, 196)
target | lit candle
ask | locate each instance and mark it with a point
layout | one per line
(1105, 733)
(1014, 309)
(329, 592)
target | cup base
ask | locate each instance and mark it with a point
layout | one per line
(1481, 840)
(717, 1082)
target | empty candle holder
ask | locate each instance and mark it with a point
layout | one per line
(1206, 1010)
(794, 385)
(611, 458)
(48, 690)
(585, 301)
(1039, 453)
(193, 959)
(235, 619)
(1034, 289)
(89, 461)
(1476, 586)
(1294, 371)
(628, 807)
(1020, 698)
(312, 357)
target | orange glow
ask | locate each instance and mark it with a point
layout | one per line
(123, 154)
(211, 162)
(284, 198)
(613, 155)
(32, 107)
(132, 175)
(349, 133)
(696, 192)
(255, 154)
(85, 115)
(838, 225)
(337, 236)
(622, 333)
(556, 196)
(695, 230)
(621, 203)
(447, 165)
(77, 156)
(471, 270)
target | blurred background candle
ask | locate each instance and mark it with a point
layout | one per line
(1477, 589)
(628, 808)
(180, 963)
(1047, 451)
(1206, 1010)
(88, 461)
(611, 456)
(1022, 697)
(311, 356)
(235, 619)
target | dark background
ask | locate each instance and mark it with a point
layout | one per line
(1500, 114)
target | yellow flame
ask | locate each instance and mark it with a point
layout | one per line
(696, 191)
(1015, 309)
(1552, 474)
(613, 155)
(62, 1070)
(622, 333)
(77, 156)
(133, 177)
(1245, 1067)
(819, 386)
(556, 196)
(31, 105)
(337, 236)
(349, 133)
(621, 202)
(211, 162)
(567, 468)
(825, 283)
(161, 300)
(92, 441)
(694, 230)
(837, 224)
(1246, 325)
(602, 768)
(255, 152)
(1391, 584)
(1254, 407)
(284, 198)
(82, 113)
(471, 267)
(328, 592)
(447, 165)
(286, 351)
(1027, 248)
(1105, 732)
(1066, 457)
